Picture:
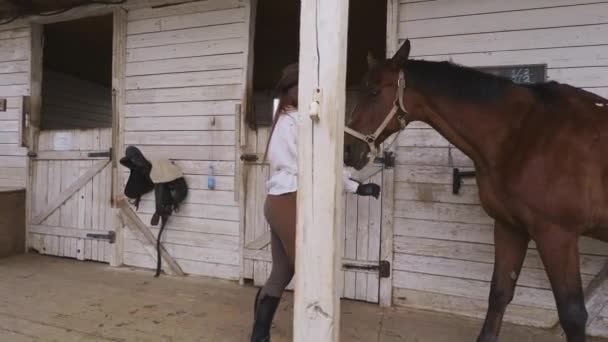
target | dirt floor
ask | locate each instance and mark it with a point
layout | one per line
(52, 299)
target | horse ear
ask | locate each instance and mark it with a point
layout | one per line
(371, 61)
(403, 54)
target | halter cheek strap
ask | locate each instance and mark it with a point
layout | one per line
(398, 105)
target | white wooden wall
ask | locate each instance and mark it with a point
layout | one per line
(14, 83)
(185, 68)
(443, 242)
(69, 102)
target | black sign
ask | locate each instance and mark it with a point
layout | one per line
(536, 73)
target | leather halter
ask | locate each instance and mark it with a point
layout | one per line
(398, 106)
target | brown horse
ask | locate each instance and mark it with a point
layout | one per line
(540, 154)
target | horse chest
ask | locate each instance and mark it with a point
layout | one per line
(492, 199)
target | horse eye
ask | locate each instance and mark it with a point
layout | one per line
(375, 92)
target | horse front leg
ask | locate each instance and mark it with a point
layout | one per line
(558, 249)
(510, 247)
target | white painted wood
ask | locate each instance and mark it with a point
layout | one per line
(134, 223)
(231, 92)
(199, 34)
(176, 109)
(470, 307)
(185, 123)
(584, 14)
(186, 64)
(185, 50)
(319, 251)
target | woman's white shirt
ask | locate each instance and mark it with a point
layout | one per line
(283, 158)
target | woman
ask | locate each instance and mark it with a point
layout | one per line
(280, 206)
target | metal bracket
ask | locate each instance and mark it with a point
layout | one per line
(110, 237)
(249, 157)
(383, 268)
(107, 154)
(387, 159)
(457, 177)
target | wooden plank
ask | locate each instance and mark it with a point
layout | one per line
(15, 33)
(470, 307)
(194, 253)
(9, 137)
(363, 204)
(184, 123)
(479, 252)
(584, 14)
(260, 242)
(317, 304)
(581, 77)
(441, 193)
(63, 231)
(204, 211)
(186, 64)
(20, 78)
(195, 239)
(177, 109)
(14, 90)
(198, 34)
(530, 277)
(428, 174)
(190, 138)
(133, 222)
(68, 155)
(185, 21)
(350, 243)
(427, 156)
(13, 161)
(192, 79)
(180, 9)
(51, 206)
(596, 296)
(210, 93)
(512, 40)
(387, 235)
(560, 57)
(374, 243)
(462, 213)
(15, 67)
(197, 49)
(219, 153)
(471, 289)
(422, 138)
(417, 10)
(196, 196)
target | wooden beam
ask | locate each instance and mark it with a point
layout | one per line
(259, 243)
(141, 230)
(119, 57)
(387, 236)
(71, 190)
(323, 43)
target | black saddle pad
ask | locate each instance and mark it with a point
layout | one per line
(139, 182)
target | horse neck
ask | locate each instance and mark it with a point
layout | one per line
(478, 131)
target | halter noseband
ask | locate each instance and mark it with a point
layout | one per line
(398, 105)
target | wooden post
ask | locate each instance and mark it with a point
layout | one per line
(323, 42)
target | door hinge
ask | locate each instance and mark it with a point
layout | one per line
(383, 268)
(110, 237)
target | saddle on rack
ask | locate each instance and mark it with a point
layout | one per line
(162, 176)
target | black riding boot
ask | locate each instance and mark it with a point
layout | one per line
(264, 308)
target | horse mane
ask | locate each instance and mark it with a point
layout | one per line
(456, 81)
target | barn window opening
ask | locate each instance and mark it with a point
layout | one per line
(77, 74)
(276, 44)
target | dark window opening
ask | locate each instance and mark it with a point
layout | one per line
(276, 44)
(77, 74)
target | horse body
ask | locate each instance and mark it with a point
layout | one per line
(540, 157)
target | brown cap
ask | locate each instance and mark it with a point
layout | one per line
(289, 78)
